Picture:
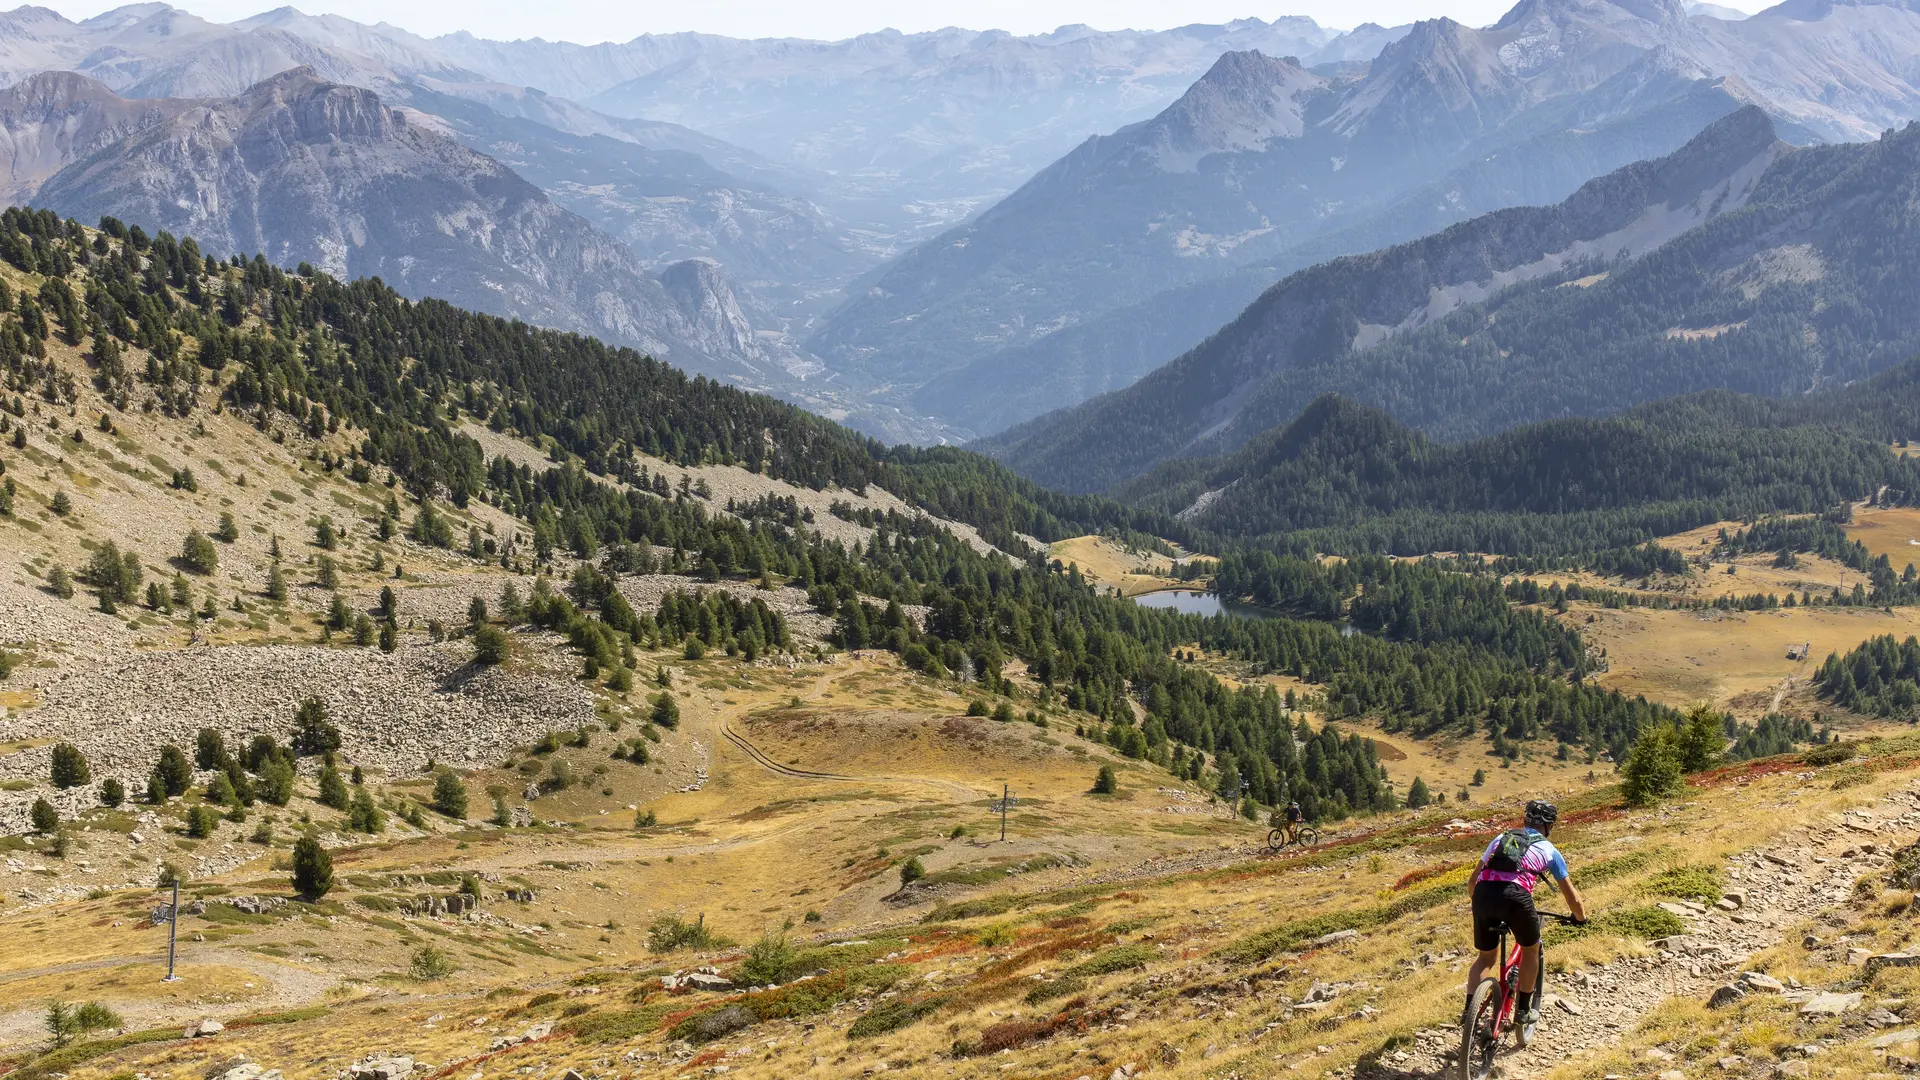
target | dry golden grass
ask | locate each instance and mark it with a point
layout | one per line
(1112, 565)
(1681, 657)
(1179, 926)
(1893, 532)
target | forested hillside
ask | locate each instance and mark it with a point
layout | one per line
(1348, 478)
(305, 356)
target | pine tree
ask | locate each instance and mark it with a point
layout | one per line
(70, 767)
(1417, 795)
(490, 645)
(312, 868)
(1104, 782)
(313, 732)
(210, 749)
(365, 815)
(333, 790)
(276, 781)
(229, 530)
(449, 794)
(1653, 769)
(112, 792)
(45, 818)
(276, 583)
(201, 821)
(220, 791)
(174, 770)
(198, 554)
(1702, 738)
(666, 712)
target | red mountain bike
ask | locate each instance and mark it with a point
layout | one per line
(1489, 1012)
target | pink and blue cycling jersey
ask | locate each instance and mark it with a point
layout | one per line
(1541, 858)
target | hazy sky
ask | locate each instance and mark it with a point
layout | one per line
(615, 20)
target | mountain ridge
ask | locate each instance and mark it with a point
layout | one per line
(1443, 101)
(1324, 311)
(313, 171)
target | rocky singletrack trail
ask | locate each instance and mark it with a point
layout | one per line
(1772, 891)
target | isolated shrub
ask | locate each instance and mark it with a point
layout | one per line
(670, 932)
(1418, 795)
(60, 583)
(1105, 782)
(70, 767)
(911, 871)
(312, 868)
(430, 964)
(112, 792)
(769, 961)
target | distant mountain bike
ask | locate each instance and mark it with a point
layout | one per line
(1305, 836)
(1489, 1013)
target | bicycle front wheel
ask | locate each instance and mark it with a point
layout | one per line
(1308, 837)
(1478, 1039)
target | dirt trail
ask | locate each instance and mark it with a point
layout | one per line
(287, 987)
(722, 723)
(1785, 883)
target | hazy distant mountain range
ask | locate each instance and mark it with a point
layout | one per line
(1737, 263)
(1139, 244)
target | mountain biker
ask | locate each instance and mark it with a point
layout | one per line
(1502, 891)
(1293, 820)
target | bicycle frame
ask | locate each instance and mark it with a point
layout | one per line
(1509, 985)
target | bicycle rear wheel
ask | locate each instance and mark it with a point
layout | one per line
(1276, 839)
(1477, 1040)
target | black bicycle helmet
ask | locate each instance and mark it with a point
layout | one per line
(1541, 815)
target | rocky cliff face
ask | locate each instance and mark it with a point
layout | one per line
(305, 170)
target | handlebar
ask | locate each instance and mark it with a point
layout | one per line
(1561, 917)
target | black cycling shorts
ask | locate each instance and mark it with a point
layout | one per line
(1496, 902)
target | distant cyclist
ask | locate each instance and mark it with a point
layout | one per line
(1502, 890)
(1294, 817)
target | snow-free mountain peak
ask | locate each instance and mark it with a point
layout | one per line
(1243, 102)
